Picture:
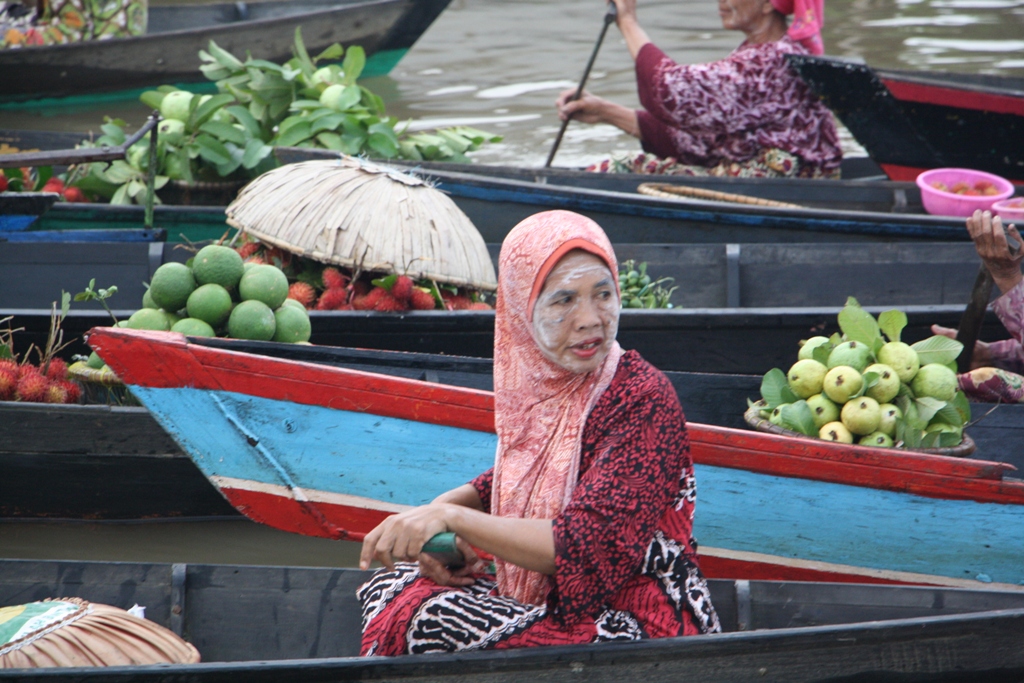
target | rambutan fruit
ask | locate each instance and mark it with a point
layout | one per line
(360, 287)
(422, 300)
(331, 299)
(455, 302)
(9, 365)
(368, 301)
(402, 289)
(256, 260)
(8, 384)
(58, 369)
(249, 249)
(74, 391)
(55, 393)
(386, 303)
(27, 369)
(33, 387)
(479, 306)
(302, 292)
(334, 278)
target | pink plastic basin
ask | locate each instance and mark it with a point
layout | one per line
(939, 203)
(1010, 210)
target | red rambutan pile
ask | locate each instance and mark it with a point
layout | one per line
(56, 393)
(367, 302)
(455, 302)
(332, 299)
(479, 306)
(303, 293)
(8, 384)
(9, 366)
(74, 392)
(402, 289)
(334, 278)
(258, 260)
(33, 387)
(386, 303)
(58, 369)
(249, 249)
(422, 300)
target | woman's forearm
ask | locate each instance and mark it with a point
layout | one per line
(465, 496)
(528, 543)
(621, 117)
(633, 34)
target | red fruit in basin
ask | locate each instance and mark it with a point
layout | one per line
(54, 185)
(74, 194)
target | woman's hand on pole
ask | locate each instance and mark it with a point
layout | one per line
(432, 568)
(629, 26)
(401, 536)
(591, 109)
(990, 241)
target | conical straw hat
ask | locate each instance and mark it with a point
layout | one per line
(363, 216)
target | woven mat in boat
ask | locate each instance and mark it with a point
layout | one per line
(667, 191)
(71, 632)
(754, 419)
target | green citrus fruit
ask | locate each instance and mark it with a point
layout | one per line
(292, 324)
(210, 303)
(94, 362)
(252, 320)
(264, 283)
(193, 327)
(218, 265)
(295, 304)
(149, 319)
(147, 300)
(171, 285)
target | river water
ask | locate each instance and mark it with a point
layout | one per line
(498, 65)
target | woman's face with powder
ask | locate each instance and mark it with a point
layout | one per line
(576, 316)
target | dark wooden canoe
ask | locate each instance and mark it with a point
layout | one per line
(910, 121)
(292, 624)
(741, 308)
(18, 210)
(169, 52)
(117, 463)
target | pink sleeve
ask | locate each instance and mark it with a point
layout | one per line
(1009, 353)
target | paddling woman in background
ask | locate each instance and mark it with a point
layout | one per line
(747, 115)
(588, 510)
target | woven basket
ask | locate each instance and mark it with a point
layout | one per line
(100, 387)
(754, 419)
(668, 191)
(362, 216)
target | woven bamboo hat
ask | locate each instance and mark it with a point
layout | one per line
(364, 216)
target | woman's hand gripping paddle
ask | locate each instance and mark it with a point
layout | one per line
(609, 17)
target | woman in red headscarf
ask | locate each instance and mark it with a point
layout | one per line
(588, 510)
(746, 115)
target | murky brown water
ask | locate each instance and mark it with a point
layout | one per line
(498, 65)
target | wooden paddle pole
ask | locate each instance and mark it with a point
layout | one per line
(609, 17)
(974, 314)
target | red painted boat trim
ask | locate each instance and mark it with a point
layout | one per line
(162, 359)
(957, 98)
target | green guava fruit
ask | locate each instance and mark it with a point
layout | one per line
(876, 439)
(171, 131)
(332, 95)
(823, 410)
(901, 358)
(805, 377)
(854, 354)
(861, 416)
(890, 414)
(841, 383)
(807, 350)
(835, 431)
(888, 383)
(776, 417)
(175, 105)
(936, 381)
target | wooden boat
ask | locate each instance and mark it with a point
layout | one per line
(169, 52)
(113, 463)
(740, 308)
(327, 451)
(292, 624)
(910, 121)
(18, 210)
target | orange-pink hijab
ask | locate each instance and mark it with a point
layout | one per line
(539, 408)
